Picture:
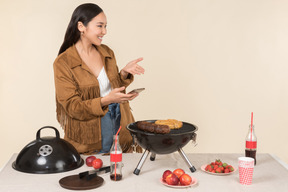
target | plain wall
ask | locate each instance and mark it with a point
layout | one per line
(210, 63)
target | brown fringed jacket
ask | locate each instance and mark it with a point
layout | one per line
(79, 109)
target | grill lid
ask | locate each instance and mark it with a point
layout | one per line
(48, 155)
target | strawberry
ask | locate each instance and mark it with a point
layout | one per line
(207, 167)
(225, 165)
(226, 170)
(221, 167)
(215, 167)
(213, 171)
(231, 169)
(218, 161)
(218, 170)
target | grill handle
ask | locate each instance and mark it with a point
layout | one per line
(45, 127)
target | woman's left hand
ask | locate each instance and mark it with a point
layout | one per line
(133, 68)
(132, 96)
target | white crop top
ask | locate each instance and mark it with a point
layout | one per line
(104, 83)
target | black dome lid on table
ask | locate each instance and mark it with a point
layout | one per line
(48, 155)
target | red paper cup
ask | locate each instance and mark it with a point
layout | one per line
(246, 167)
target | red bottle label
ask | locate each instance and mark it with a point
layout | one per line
(116, 157)
(251, 144)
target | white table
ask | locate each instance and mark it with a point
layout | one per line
(269, 175)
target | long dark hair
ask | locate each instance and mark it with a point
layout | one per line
(83, 13)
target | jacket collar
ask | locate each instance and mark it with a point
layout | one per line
(75, 59)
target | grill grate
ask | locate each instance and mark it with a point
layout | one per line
(185, 129)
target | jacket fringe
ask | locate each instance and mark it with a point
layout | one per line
(85, 132)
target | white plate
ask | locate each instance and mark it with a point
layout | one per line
(203, 169)
(194, 182)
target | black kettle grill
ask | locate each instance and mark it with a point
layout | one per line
(48, 155)
(163, 143)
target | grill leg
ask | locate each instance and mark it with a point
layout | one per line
(191, 167)
(152, 157)
(141, 162)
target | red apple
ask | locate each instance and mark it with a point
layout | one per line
(185, 179)
(172, 179)
(165, 174)
(89, 160)
(178, 172)
(97, 163)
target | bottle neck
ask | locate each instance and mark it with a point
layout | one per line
(115, 137)
(251, 133)
(116, 144)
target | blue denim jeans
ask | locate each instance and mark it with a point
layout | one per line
(110, 124)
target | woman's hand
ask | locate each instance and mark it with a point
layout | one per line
(117, 96)
(133, 68)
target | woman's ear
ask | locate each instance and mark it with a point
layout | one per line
(80, 27)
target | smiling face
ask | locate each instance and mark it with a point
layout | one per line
(95, 29)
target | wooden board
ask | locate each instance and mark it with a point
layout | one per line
(75, 183)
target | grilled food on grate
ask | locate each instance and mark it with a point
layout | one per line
(152, 127)
(172, 123)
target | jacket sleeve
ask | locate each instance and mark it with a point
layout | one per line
(125, 81)
(69, 98)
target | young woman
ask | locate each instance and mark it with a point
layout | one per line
(90, 90)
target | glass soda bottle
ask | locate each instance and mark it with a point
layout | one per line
(116, 160)
(251, 144)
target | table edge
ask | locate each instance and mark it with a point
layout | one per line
(279, 160)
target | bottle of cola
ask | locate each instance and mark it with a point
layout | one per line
(251, 144)
(116, 160)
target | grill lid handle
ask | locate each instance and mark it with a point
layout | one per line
(45, 127)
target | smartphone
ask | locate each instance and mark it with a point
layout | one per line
(137, 90)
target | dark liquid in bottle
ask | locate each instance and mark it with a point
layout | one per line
(252, 154)
(118, 177)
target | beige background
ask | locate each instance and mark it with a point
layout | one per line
(210, 63)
